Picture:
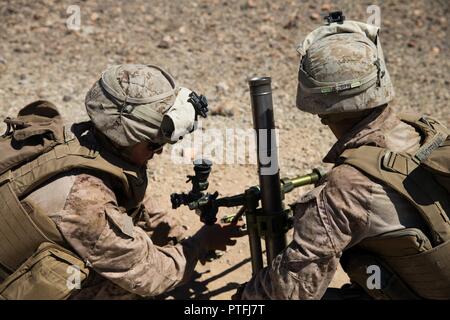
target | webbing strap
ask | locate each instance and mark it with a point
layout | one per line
(404, 175)
(349, 87)
(436, 135)
(19, 236)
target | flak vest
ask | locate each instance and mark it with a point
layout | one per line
(35, 260)
(410, 263)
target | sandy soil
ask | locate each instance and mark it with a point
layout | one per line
(213, 47)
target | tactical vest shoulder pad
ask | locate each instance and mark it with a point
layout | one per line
(410, 175)
(21, 235)
(72, 155)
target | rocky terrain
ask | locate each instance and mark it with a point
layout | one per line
(213, 47)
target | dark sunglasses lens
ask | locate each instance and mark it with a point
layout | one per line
(154, 146)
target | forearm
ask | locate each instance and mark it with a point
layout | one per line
(292, 276)
(104, 236)
(141, 267)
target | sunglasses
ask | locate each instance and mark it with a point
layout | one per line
(155, 147)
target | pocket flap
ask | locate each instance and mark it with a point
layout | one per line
(51, 273)
(121, 220)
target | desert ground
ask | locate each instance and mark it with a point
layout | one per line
(213, 47)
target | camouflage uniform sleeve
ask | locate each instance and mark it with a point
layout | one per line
(326, 221)
(100, 233)
(162, 226)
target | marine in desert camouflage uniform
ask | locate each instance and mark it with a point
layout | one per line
(343, 79)
(134, 111)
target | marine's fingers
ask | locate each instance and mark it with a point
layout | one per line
(235, 231)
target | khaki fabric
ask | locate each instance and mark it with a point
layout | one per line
(419, 176)
(19, 236)
(129, 102)
(438, 144)
(357, 262)
(342, 69)
(421, 264)
(409, 255)
(23, 228)
(345, 209)
(36, 129)
(405, 242)
(93, 208)
(45, 275)
(124, 258)
(411, 181)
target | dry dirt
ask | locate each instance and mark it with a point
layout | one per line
(213, 47)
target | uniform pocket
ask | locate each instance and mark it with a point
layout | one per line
(121, 220)
(51, 273)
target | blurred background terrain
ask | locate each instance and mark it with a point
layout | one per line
(213, 47)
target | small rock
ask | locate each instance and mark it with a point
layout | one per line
(222, 88)
(326, 7)
(182, 29)
(314, 16)
(129, 59)
(239, 57)
(443, 21)
(66, 98)
(222, 110)
(166, 42)
(436, 50)
(119, 39)
(267, 17)
(411, 44)
(2, 60)
(251, 4)
(87, 30)
(37, 15)
(23, 80)
(266, 29)
(292, 23)
(417, 12)
(149, 19)
(94, 16)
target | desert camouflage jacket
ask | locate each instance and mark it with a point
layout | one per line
(345, 209)
(129, 260)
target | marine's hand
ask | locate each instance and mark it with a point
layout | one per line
(219, 236)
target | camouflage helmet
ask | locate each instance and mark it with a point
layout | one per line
(342, 69)
(135, 103)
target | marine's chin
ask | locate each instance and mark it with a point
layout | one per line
(145, 162)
